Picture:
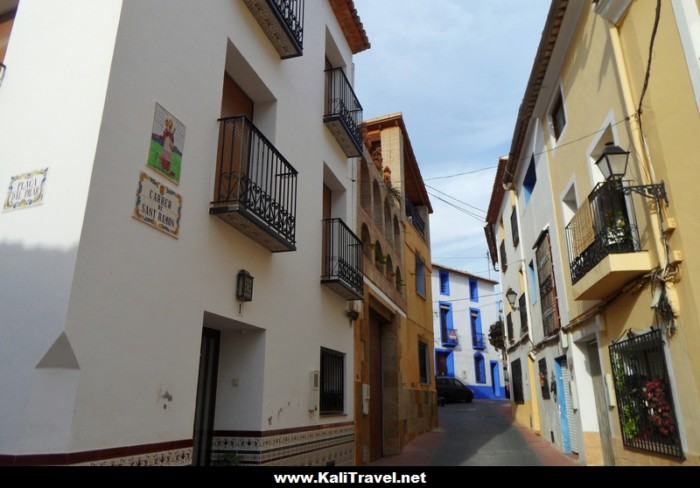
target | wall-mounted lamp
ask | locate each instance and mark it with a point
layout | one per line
(512, 296)
(613, 164)
(244, 286)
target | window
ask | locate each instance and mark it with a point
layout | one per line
(473, 290)
(423, 359)
(447, 334)
(517, 379)
(479, 368)
(514, 227)
(502, 252)
(548, 291)
(332, 382)
(475, 324)
(558, 116)
(544, 381)
(530, 179)
(643, 391)
(522, 308)
(444, 282)
(420, 276)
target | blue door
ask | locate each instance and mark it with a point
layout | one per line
(495, 380)
(561, 403)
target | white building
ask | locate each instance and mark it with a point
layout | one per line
(464, 307)
(131, 210)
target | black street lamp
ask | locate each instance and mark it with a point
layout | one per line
(613, 164)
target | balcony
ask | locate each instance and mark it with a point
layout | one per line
(414, 217)
(255, 187)
(603, 244)
(451, 339)
(478, 341)
(342, 265)
(343, 114)
(282, 21)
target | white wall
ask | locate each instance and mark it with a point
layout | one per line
(137, 297)
(52, 99)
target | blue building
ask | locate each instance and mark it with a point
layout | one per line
(464, 307)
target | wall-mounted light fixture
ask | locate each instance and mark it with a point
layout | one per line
(613, 164)
(244, 286)
(512, 296)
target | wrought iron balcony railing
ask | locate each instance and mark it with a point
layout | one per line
(603, 225)
(414, 217)
(282, 21)
(478, 340)
(343, 256)
(343, 114)
(255, 188)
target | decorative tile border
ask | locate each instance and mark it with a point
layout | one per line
(177, 457)
(175, 453)
(311, 446)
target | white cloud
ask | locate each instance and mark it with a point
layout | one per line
(457, 70)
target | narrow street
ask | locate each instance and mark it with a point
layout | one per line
(478, 434)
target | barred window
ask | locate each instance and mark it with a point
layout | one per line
(332, 381)
(644, 396)
(479, 368)
(548, 291)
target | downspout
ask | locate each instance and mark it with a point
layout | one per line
(642, 150)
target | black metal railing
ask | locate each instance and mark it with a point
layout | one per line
(478, 340)
(292, 13)
(644, 396)
(253, 177)
(343, 108)
(414, 217)
(283, 24)
(343, 260)
(604, 225)
(522, 308)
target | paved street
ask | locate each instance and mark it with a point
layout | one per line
(478, 434)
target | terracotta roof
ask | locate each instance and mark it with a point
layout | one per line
(534, 85)
(413, 180)
(350, 23)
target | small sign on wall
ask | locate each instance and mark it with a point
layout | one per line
(158, 205)
(26, 190)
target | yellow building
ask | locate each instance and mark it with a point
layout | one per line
(616, 80)
(395, 397)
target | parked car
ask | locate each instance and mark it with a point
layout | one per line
(452, 390)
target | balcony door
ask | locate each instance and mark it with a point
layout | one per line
(234, 101)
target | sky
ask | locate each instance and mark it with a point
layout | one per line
(457, 70)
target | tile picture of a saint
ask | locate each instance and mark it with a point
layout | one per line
(167, 144)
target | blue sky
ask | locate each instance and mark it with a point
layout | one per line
(457, 70)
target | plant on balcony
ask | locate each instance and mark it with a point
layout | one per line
(617, 229)
(393, 191)
(381, 259)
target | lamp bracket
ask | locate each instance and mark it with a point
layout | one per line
(656, 191)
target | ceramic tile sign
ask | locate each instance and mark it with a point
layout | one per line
(157, 205)
(26, 190)
(167, 143)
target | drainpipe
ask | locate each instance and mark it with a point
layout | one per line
(642, 150)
